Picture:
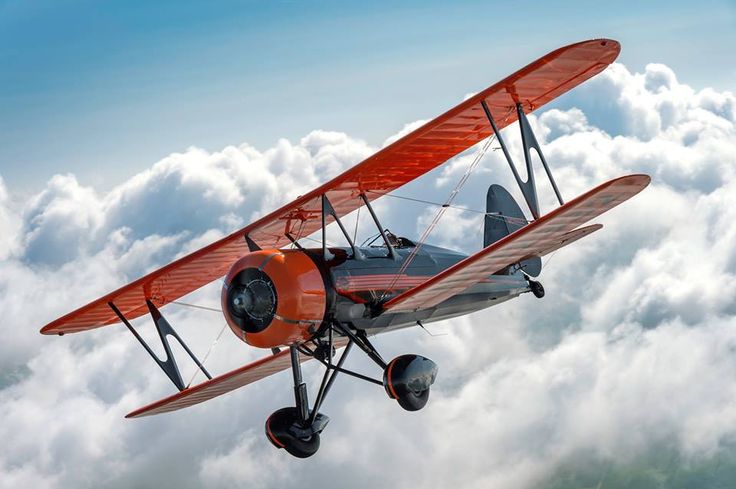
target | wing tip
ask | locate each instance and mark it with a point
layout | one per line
(153, 408)
(611, 44)
(60, 327)
(641, 180)
(608, 49)
(52, 329)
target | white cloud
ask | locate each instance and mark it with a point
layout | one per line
(631, 348)
(9, 223)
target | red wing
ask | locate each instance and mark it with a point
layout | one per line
(393, 166)
(547, 233)
(223, 384)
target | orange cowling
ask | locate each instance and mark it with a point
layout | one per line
(274, 297)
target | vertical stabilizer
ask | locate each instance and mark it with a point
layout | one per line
(503, 217)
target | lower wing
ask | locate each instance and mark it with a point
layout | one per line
(223, 384)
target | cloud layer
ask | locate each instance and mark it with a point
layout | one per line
(632, 349)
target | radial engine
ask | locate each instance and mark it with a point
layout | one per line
(272, 298)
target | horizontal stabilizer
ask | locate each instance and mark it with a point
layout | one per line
(544, 235)
(571, 237)
(224, 383)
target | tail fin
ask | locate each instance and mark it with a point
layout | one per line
(503, 217)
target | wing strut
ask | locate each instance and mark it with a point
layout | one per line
(381, 230)
(327, 209)
(164, 329)
(252, 245)
(528, 141)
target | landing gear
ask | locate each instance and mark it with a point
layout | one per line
(407, 379)
(536, 288)
(297, 430)
(284, 430)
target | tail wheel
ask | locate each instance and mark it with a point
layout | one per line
(279, 431)
(407, 379)
(536, 288)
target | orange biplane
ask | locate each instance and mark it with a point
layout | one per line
(304, 303)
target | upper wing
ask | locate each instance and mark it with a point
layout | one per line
(224, 383)
(391, 167)
(545, 234)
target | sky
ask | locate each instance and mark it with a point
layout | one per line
(104, 89)
(132, 135)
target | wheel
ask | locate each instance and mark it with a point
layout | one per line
(407, 379)
(536, 288)
(279, 431)
(413, 401)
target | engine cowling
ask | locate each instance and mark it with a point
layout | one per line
(274, 297)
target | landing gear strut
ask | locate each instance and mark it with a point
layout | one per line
(406, 378)
(295, 429)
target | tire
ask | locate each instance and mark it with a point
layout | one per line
(279, 434)
(537, 289)
(413, 401)
(407, 379)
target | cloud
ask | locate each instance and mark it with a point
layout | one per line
(9, 222)
(629, 354)
(185, 192)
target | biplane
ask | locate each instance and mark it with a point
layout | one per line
(305, 303)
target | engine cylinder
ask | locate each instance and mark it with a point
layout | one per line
(274, 297)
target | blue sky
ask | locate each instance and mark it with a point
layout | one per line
(104, 89)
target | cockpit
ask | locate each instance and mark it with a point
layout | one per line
(398, 242)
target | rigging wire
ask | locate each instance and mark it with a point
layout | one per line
(206, 355)
(318, 241)
(544, 265)
(440, 213)
(493, 215)
(212, 346)
(205, 308)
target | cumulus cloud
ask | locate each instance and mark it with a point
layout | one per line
(9, 222)
(630, 352)
(185, 192)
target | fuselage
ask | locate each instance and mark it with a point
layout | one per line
(360, 283)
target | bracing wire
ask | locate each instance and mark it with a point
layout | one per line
(439, 214)
(544, 265)
(212, 346)
(318, 241)
(206, 355)
(493, 215)
(205, 308)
